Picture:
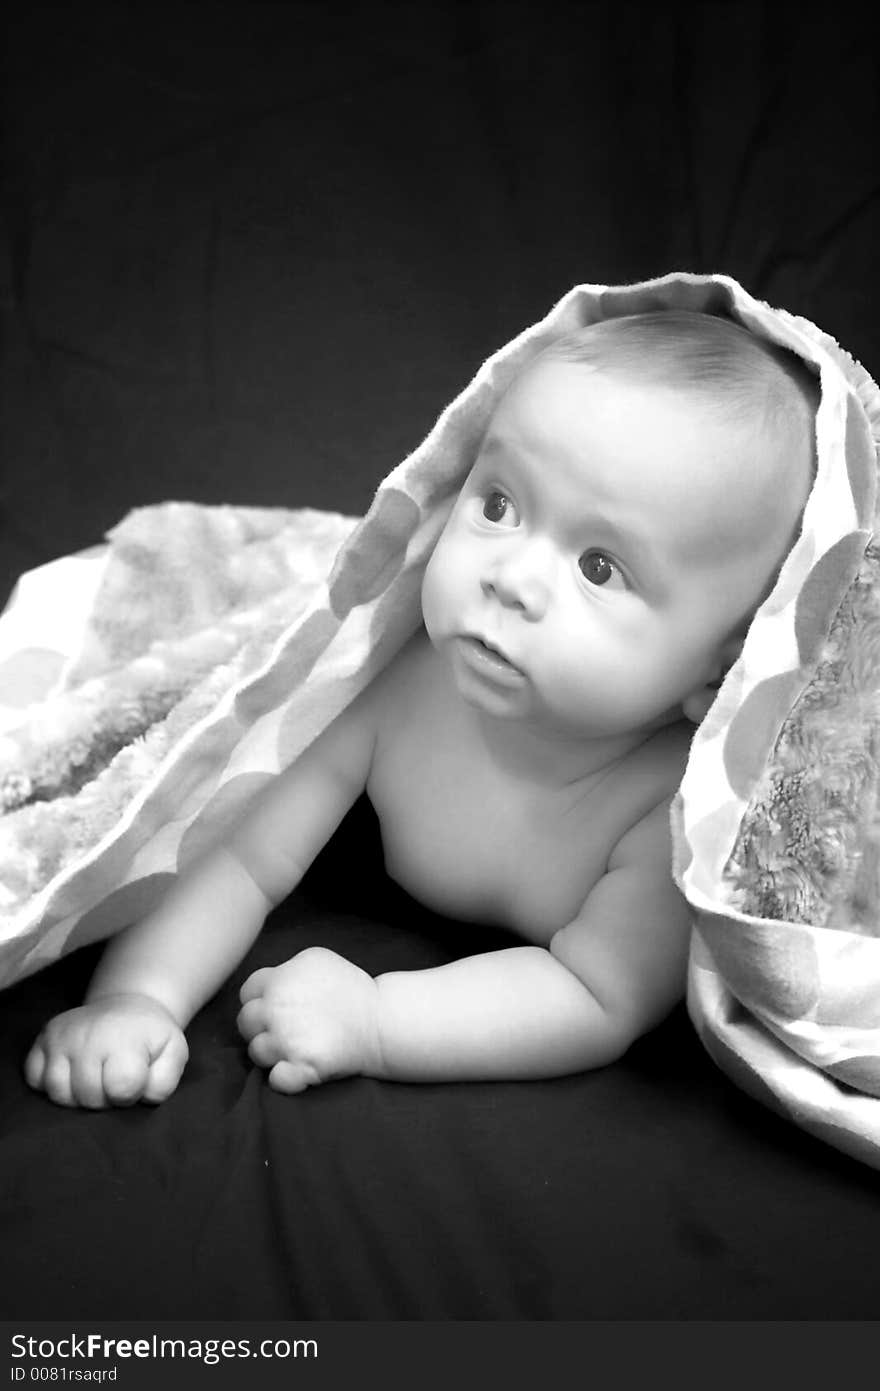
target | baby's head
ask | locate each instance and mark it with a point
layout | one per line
(717, 373)
(637, 489)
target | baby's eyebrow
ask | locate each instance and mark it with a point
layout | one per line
(515, 457)
(493, 445)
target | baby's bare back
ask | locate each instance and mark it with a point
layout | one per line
(473, 839)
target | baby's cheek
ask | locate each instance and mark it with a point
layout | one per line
(433, 592)
(594, 682)
(442, 581)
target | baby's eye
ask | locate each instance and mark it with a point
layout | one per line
(598, 569)
(498, 508)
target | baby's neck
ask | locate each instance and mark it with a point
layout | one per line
(550, 760)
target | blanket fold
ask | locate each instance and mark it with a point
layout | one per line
(150, 687)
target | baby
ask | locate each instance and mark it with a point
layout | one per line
(635, 492)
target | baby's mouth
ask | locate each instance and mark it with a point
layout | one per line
(493, 656)
(495, 651)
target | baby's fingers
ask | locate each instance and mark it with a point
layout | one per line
(124, 1076)
(56, 1080)
(86, 1081)
(251, 1019)
(69, 1082)
(35, 1066)
(166, 1069)
(292, 1077)
(255, 984)
(264, 1051)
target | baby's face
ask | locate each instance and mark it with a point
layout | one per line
(609, 543)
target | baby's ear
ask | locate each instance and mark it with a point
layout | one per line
(695, 706)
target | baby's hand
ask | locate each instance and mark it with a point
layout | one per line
(311, 1019)
(113, 1051)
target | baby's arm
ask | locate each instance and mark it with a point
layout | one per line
(126, 1042)
(524, 1012)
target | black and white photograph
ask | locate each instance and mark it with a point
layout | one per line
(439, 671)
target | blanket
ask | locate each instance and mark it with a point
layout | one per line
(151, 687)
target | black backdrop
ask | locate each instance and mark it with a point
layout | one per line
(249, 252)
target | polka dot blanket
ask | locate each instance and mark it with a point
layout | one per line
(150, 687)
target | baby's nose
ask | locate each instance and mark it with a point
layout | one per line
(521, 579)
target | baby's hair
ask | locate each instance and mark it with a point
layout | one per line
(707, 358)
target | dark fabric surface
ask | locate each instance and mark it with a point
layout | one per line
(651, 1189)
(249, 253)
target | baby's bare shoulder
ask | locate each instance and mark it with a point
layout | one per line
(647, 783)
(658, 764)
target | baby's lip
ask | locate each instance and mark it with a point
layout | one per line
(493, 647)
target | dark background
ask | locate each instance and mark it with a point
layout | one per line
(249, 253)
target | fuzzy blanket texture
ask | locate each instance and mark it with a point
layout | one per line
(150, 687)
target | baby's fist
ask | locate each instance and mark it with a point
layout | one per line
(112, 1051)
(310, 1020)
